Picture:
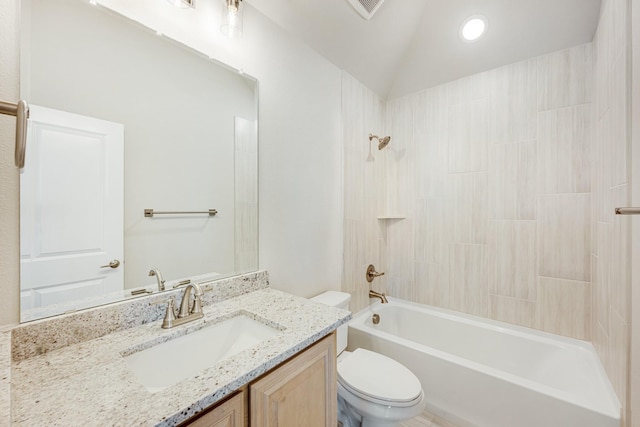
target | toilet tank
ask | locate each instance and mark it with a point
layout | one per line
(338, 300)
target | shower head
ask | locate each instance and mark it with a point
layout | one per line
(382, 142)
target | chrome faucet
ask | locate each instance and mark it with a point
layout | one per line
(188, 312)
(155, 272)
(382, 296)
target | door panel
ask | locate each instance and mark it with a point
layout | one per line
(71, 208)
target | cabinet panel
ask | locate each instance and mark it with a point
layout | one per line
(230, 413)
(300, 392)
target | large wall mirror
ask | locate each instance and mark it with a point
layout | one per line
(124, 120)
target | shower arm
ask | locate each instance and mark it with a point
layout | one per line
(382, 142)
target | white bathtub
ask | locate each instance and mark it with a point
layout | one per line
(479, 372)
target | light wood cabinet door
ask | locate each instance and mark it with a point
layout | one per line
(230, 413)
(300, 392)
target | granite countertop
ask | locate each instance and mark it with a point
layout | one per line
(89, 383)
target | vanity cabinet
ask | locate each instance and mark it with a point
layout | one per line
(300, 392)
(230, 413)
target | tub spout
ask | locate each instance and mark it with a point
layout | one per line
(382, 296)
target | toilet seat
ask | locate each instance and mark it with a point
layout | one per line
(379, 379)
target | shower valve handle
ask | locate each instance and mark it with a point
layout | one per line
(372, 273)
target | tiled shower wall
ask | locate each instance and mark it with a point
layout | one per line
(610, 180)
(507, 180)
(364, 190)
(496, 172)
(492, 173)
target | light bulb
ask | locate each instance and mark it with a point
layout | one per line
(473, 28)
(232, 18)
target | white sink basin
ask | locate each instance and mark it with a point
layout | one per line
(170, 362)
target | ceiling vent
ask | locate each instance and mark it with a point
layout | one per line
(366, 8)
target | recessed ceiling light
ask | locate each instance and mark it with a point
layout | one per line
(473, 28)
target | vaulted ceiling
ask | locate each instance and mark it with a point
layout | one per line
(410, 45)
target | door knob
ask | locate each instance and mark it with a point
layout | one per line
(113, 264)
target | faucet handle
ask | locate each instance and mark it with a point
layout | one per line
(170, 313)
(182, 283)
(372, 273)
(197, 305)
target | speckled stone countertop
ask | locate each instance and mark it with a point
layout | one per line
(89, 383)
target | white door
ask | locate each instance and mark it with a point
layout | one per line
(71, 209)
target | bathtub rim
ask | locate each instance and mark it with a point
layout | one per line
(611, 408)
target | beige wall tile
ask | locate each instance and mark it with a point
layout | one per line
(513, 310)
(432, 284)
(564, 144)
(617, 368)
(564, 236)
(601, 343)
(468, 279)
(468, 136)
(401, 265)
(617, 144)
(512, 102)
(467, 89)
(619, 257)
(601, 176)
(430, 143)
(515, 260)
(468, 207)
(564, 78)
(564, 307)
(601, 282)
(512, 169)
(399, 178)
(433, 231)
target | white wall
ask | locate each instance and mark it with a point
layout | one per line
(300, 161)
(300, 165)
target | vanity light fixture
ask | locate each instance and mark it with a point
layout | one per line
(182, 4)
(473, 28)
(232, 18)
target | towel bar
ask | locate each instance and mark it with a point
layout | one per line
(21, 112)
(627, 211)
(149, 213)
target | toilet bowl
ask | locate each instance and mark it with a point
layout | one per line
(373, 390)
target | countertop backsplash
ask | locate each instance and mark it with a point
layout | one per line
(44, 335)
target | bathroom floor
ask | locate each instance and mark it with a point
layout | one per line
(427, 419)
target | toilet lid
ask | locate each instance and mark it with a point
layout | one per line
(379, 377)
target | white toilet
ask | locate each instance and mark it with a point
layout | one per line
(373, 390)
